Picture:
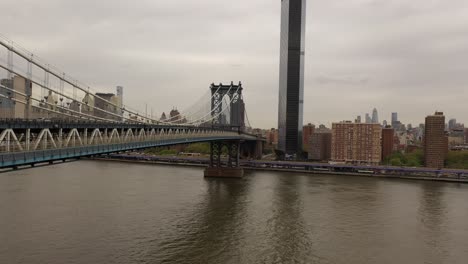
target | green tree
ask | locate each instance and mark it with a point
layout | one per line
(203, 148)
(395, 162)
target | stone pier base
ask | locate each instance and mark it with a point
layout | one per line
(224, 172)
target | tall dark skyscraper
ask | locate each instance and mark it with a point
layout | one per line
(394, 120)
(291, 84)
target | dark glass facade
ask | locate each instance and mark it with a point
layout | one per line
(291, 84)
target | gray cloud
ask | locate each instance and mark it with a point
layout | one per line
(396, 55)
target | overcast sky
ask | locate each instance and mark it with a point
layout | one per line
(396, 55)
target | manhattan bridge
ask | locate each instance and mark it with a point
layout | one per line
(48, 116)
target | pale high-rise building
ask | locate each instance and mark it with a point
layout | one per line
(13, 103)
(375, 116)
(368, 119)
(119, 94)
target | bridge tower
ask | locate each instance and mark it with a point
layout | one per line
(235, 117)
(232, 119)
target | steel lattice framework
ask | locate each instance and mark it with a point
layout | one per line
(26, 143)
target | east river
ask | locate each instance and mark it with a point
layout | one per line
(107, 212)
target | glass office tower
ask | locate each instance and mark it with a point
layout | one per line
(291, 84)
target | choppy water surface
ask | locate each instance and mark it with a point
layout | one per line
(103, 212)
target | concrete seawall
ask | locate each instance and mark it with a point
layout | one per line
(309, 172)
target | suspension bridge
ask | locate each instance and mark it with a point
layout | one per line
(47, 116)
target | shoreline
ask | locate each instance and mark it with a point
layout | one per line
(196, 165)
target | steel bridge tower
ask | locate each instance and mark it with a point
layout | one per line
(230, 167)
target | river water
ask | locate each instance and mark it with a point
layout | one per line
(106, 212)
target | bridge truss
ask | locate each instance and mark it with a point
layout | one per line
(28, 143)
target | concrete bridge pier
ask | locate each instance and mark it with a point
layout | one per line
(224, 168)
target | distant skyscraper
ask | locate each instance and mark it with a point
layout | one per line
(120, 95)
(435, 141)
(291, 84)
(9, 108)
(120, 99)
(358, 119)
(368, 119)
(385, 123)
(452, 124)
(394, 120)
(375, 116)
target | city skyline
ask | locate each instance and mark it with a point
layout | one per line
(357, 53)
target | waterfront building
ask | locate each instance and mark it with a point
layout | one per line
(375, 116)
(174, 115)
(307, 132)
(456, 139)
(13, 104)
(105, 106)
(272, 137)
(320, 146)
(356, 143)
(163, 117)
(74, 106)
(6, 96)
(87, 106)
(466, 135)
(388, 142)
(291, 81)
(435, 141)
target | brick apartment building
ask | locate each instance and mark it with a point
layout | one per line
(356, 143)
(435, 141)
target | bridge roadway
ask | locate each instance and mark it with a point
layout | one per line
(31, 142)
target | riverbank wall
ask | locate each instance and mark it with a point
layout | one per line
(187, 163)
